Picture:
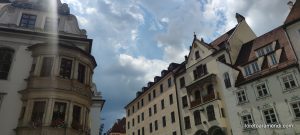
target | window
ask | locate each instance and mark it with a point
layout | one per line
(172, 117)
(155, 109)
(142, 102)
(270, 116)
(161, 87)
(6, 56)
(76, 117)
(247, 119)
(184, 101)
(197, 117)
(133, 122)
(150, 127)
(182, 82)
(288, 82)
(128, 112)
(227, 80)
(150, 112)
(164, 121)
(142, 116)
(171, 99)
(28, 21)
(251, 68)
(139, 118)
(38, 113)
(174, 133)
(65, 68)
(149, 97)
(139, 132)
(46, 66)
(273, 59)
(59, 111)
(296, 109)
(138, 105)
(197, 55)
(155, 125)
(222, 59)
(169, 82)
(241, 96)
(223, 112)
(162, 103)
(154, 94)
(265, 50)
(128, 125)
(132, 109)
(81, 73)
(187, 122)
(51, 24)
(143, 131)
(262, 90)
(197, 95)
(210, 113)
(200, 71)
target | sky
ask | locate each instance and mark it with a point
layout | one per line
(133, 40)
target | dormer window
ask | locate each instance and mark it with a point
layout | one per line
(251, 68)
(273, 59)
(28, 21)
(265, 50)
(197, 55)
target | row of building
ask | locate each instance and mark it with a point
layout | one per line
(46, 71)
(226, 86)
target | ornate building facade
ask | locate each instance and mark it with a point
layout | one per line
(46, 71)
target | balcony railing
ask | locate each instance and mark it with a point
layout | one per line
(196, 102)
(209, 97)
(204, 99)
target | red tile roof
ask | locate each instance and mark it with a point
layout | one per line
(294, 14)
(119, 126)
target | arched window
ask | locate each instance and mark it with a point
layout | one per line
(197, 95)
(6, 55)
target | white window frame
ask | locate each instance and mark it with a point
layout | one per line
(292, 109)
(242, 120)
(294, 79)
(237, 97)
(264, 117)
(257, 90)
(265, 50)
(251, 68)
(273, 59)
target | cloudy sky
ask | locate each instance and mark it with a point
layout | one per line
(135, 39)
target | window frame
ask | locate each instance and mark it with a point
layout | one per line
(182, 82)
(245, 95)
(275, 114)
(184, 105)
(293, 110)
(72, 67)
(257, 91)
(187, 122)
(44, 73)
(83, 74)
(27, 25)
(227, 80)
(211, 115)
(283, 83)
(11, 52)
(251, 118)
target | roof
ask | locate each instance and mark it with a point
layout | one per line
(119, 126)
(222, 39)
(247, 54)
(294, 14)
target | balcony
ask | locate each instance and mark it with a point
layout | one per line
(196, 102)
(208, 97)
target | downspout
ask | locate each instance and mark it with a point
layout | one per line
(179, 114)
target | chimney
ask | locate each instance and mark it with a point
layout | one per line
(239, 17)
(290, 4)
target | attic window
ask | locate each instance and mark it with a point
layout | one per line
(251, 68)
(265, 50)
(197, 55)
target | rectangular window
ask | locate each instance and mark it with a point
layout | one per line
(164, 121)
(154, 93)
(81, 73)
(139, 132)
(241, 96)
(182, 82)
(143, 131)
(296, 109)
(76, 117)
(142, 102)
(210, 113)
(149, 97)
(197, 55)
(38, 113)
(265, 50)
(288, 82)
(187, 122)
(184, 101)
(128, 125)
(161, 88)
(227, 80)
(162, 103)
(132, 109)
(128, 112)
(65, 68)
(6, 57)
(150, 112)
(150, 127)
(174, 133)
(270, 116)
(247, 70)
(262, 90)
(200, 71)
(154, 109)
(247, 119)
(156, 125)
(222, 59)
(59, 112)
(138, 105)
(139, 118)
(172, 117)
(273, 59)
(46, 66)
(28, 21)
(255, 67)
(169, 82)
(171, 99)
(197, 117)
(133, 122)
(142, 116)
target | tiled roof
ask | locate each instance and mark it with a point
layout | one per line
(119, 126)
(294, 13)
(247, 54)
(222, 39)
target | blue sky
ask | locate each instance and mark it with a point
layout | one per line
(135, 39)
